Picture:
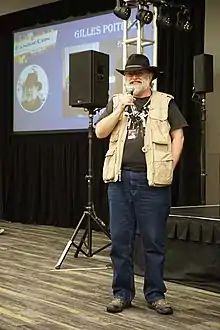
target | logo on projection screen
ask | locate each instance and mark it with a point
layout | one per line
(32, 88)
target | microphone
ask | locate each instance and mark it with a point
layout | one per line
(130, 89)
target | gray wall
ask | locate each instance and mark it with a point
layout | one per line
(212, 46)
(16, 5)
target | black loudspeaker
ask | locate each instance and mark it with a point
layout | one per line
(88, 79)
(203, 73)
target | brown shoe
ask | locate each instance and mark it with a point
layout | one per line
(117, 305)
(161, 306)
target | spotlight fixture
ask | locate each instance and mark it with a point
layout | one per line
(187, 26)
(169, 13)
(165, 16)
(122, 10)
(145, 16)
(184, 22)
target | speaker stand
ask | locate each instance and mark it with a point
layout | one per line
(203, 148)
(89, 214)
(201, 99)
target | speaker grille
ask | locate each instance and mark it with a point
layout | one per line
(88, 79)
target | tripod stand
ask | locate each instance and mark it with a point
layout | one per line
(89, 213)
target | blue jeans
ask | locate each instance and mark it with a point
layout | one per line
(134, 205)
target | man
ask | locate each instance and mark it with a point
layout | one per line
(31, 100)
(145, 145)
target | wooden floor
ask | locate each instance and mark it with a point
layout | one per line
(34, 295)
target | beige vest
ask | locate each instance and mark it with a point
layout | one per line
(157, 144)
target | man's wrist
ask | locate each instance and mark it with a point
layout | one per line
(118, 111)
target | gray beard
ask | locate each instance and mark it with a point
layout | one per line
(137, 89)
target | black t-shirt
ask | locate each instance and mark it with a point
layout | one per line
(133, 157)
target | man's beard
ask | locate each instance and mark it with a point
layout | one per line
(138, 88)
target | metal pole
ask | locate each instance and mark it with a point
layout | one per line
(155, 47)
(139, 37)
(139, 40)
(124, 47)
(203, 149)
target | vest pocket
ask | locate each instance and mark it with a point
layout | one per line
(163, 170)
(113, 138)
(160, 131)
(162, 158)
(109, 166)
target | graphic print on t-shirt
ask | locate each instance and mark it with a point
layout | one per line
(135, 125)
(136, 122)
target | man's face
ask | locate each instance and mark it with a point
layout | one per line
(31, 93)
(140, 80)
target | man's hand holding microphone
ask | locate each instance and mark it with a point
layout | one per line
(107, 124)
(127, 98)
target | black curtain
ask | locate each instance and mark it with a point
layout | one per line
(176, 50)
(43, 176)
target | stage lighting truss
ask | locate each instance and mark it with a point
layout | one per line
(169, 13)
(137, 44)
(158, 12)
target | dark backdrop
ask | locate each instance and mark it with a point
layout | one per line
(43, 176)
(175, 57)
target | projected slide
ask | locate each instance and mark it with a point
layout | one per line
(41, 70)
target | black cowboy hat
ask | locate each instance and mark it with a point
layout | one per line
(32, 80)
(139, 62)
